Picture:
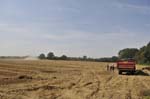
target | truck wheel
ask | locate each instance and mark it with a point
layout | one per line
(120, 72)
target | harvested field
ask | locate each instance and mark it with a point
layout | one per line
(26, 79)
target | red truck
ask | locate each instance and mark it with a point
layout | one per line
(128, 65)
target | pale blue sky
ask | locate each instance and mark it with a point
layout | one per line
(96, 28)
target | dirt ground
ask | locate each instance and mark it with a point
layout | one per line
(68, 80)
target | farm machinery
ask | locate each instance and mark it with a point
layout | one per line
(126, 65)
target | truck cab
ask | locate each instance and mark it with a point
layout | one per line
(126, 65)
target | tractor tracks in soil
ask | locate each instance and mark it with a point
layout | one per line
(68, 80)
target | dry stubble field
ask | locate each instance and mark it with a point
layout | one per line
(21, 79)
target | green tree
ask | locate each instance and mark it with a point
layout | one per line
(50, 55)
(147, 53)
(63, 57)
(84, 57)
(128, 53)
(114, 58)
(42, 56)
(143, 56)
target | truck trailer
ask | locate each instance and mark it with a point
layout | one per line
(128, 65)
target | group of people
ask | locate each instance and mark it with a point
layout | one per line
(110, 67)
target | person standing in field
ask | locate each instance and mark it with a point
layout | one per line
(112, 67)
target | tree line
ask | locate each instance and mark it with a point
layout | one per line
(142, 56)
(51, 56)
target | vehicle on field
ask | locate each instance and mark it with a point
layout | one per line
(126, 65)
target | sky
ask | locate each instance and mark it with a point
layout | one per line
(95, 28)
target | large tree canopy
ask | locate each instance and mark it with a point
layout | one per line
(143, 56)
(128, 53)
